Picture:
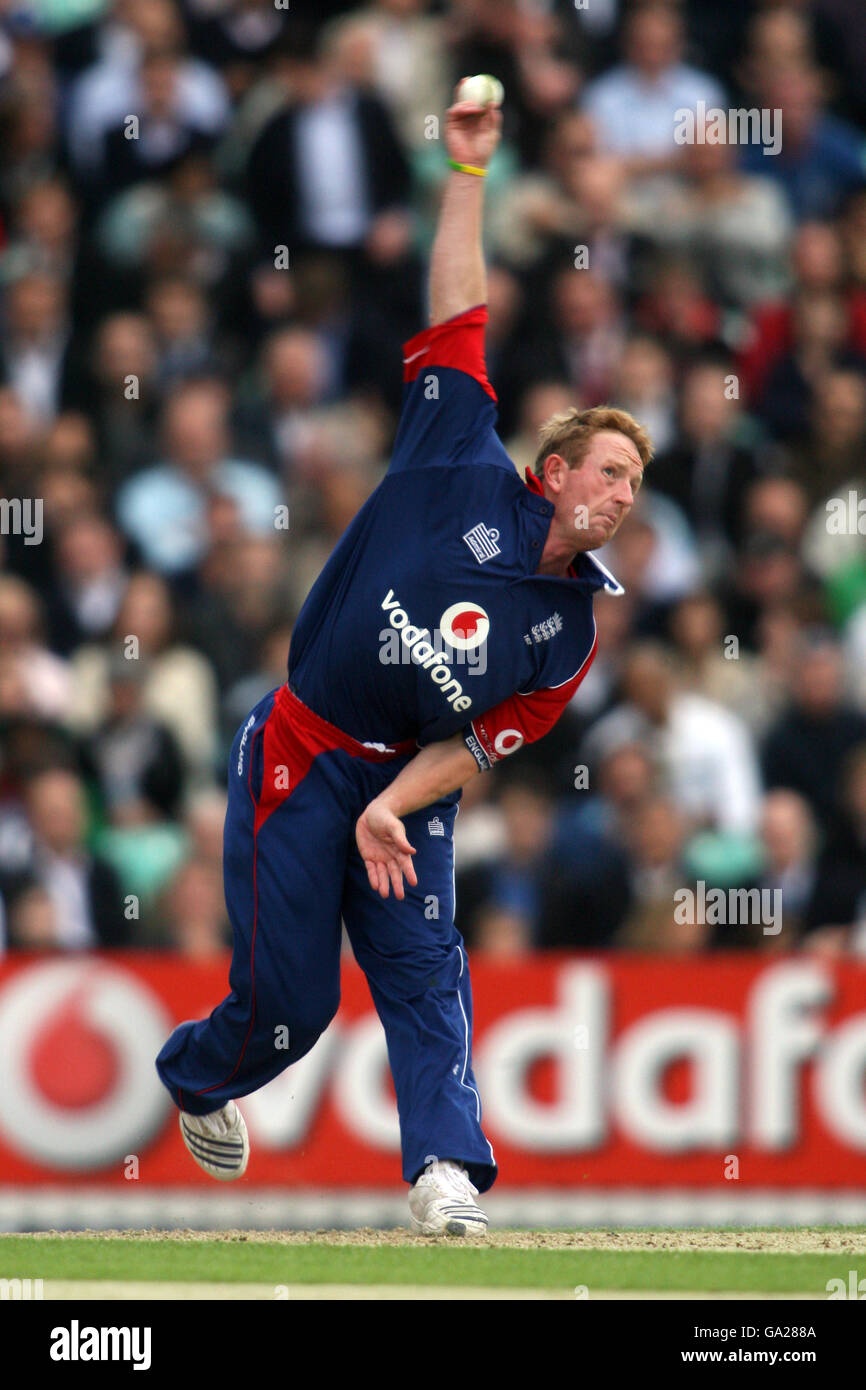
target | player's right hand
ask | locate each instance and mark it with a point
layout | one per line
(385, 850)
(472, 132)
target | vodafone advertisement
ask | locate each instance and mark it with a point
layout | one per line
(606, 1071)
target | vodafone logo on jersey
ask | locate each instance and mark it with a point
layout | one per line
(464, 626)
(78, 1040)
(507, 741)
(465, 619)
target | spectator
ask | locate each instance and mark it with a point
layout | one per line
(123, 394)
(186, 224)
(36, 359)
(91, 581)
(678, 308)
(832, 453)
(657, 842)
(194, 920)
(537, 403)
(806, 748)
(294, 383)
(838, 906)
(634, 105)
(644, 384)
(178, 686)
(536, 892)
(45, 229)
(43, 676)
(348, 193)
(243, 591)
(398, 50)
(819, 261)
(789, 841)
(706, 469)
(734, 227)
(134, 759)
(705, 752)
(108, 91)
(178, 311)
(584, 339)
(712, 664)
(821, 159)
(236, 38)
(167, 131)
(82, 888)
(164, 509)
(819, 333)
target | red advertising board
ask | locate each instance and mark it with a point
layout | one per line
(606, 1072)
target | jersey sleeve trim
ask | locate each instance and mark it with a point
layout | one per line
(524, 717)
(457, 343)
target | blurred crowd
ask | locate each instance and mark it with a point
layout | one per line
(214, 223)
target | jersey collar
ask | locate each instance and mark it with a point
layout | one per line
(584, 567)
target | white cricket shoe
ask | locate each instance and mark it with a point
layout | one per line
(218, 1142)
(442, 1202)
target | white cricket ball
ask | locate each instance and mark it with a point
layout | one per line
(481, 90)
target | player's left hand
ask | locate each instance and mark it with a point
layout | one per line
(386, 852)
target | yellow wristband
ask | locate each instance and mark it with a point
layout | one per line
(468, 169)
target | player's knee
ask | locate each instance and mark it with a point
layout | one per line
(296, 1025)
(313, 1016)
(438, 967)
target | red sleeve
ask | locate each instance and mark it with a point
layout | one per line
(520, 719)
(458, 343)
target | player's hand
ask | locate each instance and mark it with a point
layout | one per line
(472, 132)
(387, 854)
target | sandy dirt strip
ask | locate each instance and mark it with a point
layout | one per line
(839, 1241)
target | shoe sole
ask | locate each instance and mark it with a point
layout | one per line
(453, 1227)
(466, 1228)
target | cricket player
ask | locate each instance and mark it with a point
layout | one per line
(344, 784)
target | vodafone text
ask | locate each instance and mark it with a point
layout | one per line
(746, 1076)
(424, 653)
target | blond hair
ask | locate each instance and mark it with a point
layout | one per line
(570, 433)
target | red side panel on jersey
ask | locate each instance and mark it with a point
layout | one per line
(521, 718)
(457, 343)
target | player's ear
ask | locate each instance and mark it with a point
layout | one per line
(554, 470)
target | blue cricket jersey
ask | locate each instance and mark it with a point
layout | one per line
(429, 618)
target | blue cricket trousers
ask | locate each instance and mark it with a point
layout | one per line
(292, 871)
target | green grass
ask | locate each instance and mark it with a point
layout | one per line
(253, 1262)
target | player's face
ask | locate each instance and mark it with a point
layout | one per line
(595, 498)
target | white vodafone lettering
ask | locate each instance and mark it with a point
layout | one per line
(423, 652)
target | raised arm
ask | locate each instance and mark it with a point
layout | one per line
(458, 279)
